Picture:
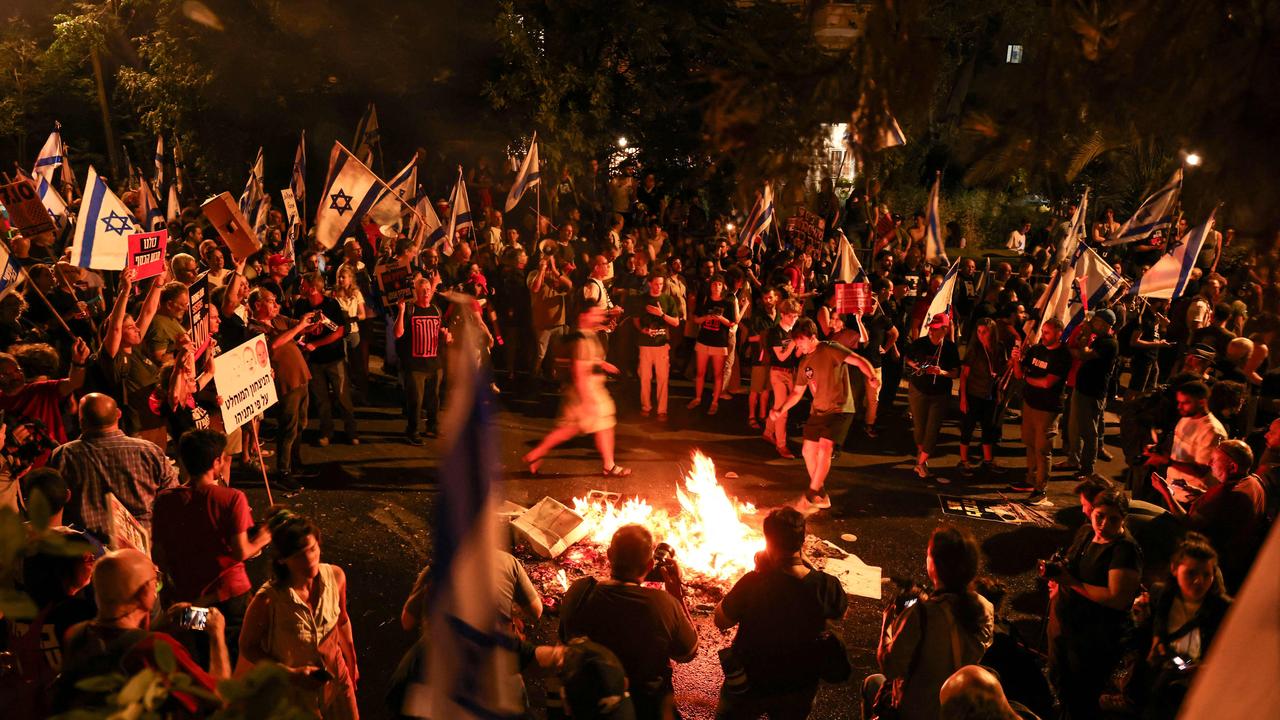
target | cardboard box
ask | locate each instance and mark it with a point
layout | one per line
(549, 527)
(225, 216)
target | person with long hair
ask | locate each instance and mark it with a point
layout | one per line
(717, 316)
(1091, 592)
(985, 362)
(347, 292)
(299, 618)
(924, 639)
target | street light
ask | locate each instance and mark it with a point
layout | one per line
(1193, 159)
(622, 141)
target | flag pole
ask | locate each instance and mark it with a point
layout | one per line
(36, 287)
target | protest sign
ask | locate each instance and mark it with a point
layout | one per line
(395, 280)
(805, 228)
(245, 382)
(1002, 510)
(124, 528)
(225, 216)
(146, 253)
(26, 212)
(198, 314)
(8, 269)
(853, 298)
(290, 206)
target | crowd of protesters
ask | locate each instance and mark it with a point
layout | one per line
(104, 392)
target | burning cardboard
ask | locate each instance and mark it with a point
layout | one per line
(549, 528)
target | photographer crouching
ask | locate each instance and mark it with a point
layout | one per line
(782, 647)
(1091, 590)
(925, 637)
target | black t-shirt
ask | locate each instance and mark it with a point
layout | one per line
(922, 351)
(420, 345)
(644, 627)
(877, 327)
(1213, 336)
(713, 332)
(779, 617)
(1095, 373)
(654, 331)
(1092, 563)
(779, 338)
(334, 318)
(1038, 362)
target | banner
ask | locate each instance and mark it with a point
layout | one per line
(290, 206)
(853, 298)
(26, 211)
(395, 280)
(125, 530)
(245, 383)
(146, 253)
(198, 310)
(805, 227)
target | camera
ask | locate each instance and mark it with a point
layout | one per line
(194, 618)
(663, 556)
(1053, 567)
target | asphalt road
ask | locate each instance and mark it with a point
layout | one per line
(374, 503)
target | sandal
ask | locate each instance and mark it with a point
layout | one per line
(754, 424)
(617, 471)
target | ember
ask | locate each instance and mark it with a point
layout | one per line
(712, 542)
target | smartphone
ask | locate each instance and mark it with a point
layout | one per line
(910, 602)
(194, 618)
(1180, 663)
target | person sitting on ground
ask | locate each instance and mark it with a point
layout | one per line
(924, 641)
(780, 609)
(974, 693)
(1231, 513)
(644, 627)
(120, 639)
(1181, 618)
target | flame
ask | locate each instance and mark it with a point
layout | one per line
(563, 579)
(708, 534)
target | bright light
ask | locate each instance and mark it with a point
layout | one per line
(1193, 159)
(730, 227)
(622, 141)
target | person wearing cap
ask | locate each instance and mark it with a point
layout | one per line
(279, 280)
(1096, 348)
(932, 363)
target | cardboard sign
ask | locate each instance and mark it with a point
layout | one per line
(853, 298)
(290, 206)
(26, 212)
(549, 528)
(225, 216)
(395, 280)
(245, 382)
(198, 314)
(805, 227)
(124, 528)
(1002, 511)
(146, 253)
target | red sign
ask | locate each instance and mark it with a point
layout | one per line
(146, 253)
(853, 298)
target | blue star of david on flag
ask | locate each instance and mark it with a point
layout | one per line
(111, 220)
(341, 202)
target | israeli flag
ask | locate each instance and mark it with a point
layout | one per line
(298, 177)
(941, 303)
(1093, 283)
(394, 196)
(848, 269)
(179, 167)
(460, 213)
(53, 202)
(9, 273)
(1155, 213)
(173, 207)
(424, 226)
(159, 160)
(152, 215)
(103, 228)
(760, 219)
(1067, 250)
(51, 155)
(1168, 277)
(253, 189)
(528, 176)
(935, 251)
(350, 193)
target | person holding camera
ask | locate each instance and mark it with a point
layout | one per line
(1181, 618)
(299, 619)
(927, 636)
(646, 628)
(120, 638)
(293, 378)
(1091, 590)
(781, 611)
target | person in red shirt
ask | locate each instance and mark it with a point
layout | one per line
(39, 401)
(203, 532)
